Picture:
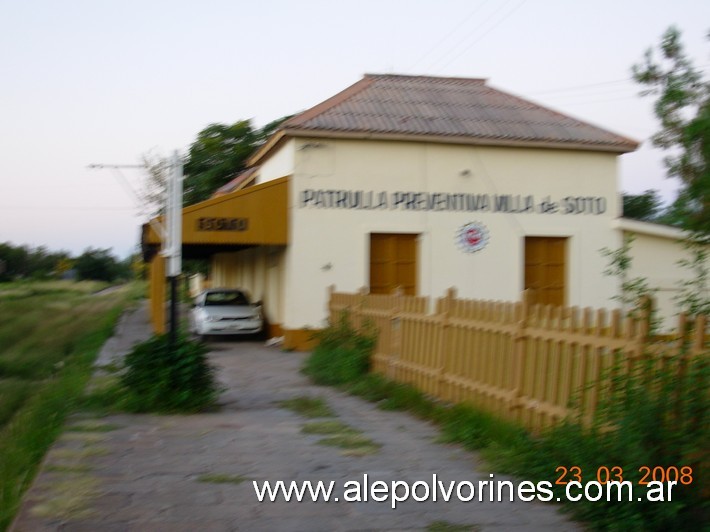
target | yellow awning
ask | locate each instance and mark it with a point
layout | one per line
(257, 215)
(254, 216)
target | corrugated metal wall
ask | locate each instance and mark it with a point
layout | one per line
(259, 271)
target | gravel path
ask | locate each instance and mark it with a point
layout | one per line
(184, 473)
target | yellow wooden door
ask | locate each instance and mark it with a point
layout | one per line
(393, 263)
(546, 269)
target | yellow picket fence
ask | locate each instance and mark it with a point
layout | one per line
(526, 363)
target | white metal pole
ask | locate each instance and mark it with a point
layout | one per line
(174, 215)
(174, 241)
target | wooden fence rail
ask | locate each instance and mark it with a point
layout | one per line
(523, 362)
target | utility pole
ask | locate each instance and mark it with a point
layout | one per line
(170, 231)
(173, 243)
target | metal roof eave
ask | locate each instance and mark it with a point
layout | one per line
(257, 215)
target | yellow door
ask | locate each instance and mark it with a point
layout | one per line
(546, 269)
(393, 263)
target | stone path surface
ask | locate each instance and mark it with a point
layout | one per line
(185, 473)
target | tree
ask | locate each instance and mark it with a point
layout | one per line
(645, 206)
(636, 295)
(20, 262)
(219, 153)
(683, 108)
(98, 265)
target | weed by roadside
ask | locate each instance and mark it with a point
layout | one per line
(156, 377)
(47, 347)
(327, 428)
(445, 526)
(338, 434)
(342, 354)
(308, 406)
(160, 377)
(653, 419)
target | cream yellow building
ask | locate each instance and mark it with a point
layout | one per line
(419, 184)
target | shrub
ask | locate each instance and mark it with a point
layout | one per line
(159, 378)
(652, 418)
(342, 354)
(656, 416)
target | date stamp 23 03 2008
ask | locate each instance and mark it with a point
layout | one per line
(657, 482)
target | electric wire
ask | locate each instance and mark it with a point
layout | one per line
(484, 34)
(446, 37)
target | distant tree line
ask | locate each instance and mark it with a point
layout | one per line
(25, 262)
(649, 207)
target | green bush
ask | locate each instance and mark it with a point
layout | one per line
(651, 418)
(654, 417)
(477, 430)
(159, 378)
(342, 354)
(33, 410)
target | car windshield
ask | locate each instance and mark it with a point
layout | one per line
(214, 299)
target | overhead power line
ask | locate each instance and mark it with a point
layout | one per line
(479, 37)
(573, 88)
(446, 37)
(578, 87)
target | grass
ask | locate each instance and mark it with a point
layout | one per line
(343, 436)
(63, 468)
(660, 422)
(92, 426)
(308, 406)
(339, 434)
(352, 443)
(445, 526)
(103, 396)
(49, 337)
(68, 499)
(13, 394)
(327, 427)
(220, 478)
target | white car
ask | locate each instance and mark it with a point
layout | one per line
(225, 311)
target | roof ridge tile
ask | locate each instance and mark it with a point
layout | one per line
(466, 109)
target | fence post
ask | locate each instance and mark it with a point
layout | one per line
(331, 291)
(443, 348)
(643, 336)
(681, 333)
(357, 310)
(699, 336)
(395, 323)
(519, 349)
(644, 331)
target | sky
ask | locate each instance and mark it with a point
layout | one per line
(105, 81)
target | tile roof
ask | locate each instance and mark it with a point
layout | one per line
(456, 110)
(236, 183)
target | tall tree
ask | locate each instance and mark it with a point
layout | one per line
(219, 153)
(27, 262)
(683, 108)
(645, 206)
(99, 265)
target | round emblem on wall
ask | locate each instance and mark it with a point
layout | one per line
(472, 237)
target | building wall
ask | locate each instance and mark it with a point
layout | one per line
(280, 164)
(329, 242)
(259, 271)
(655, 253)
